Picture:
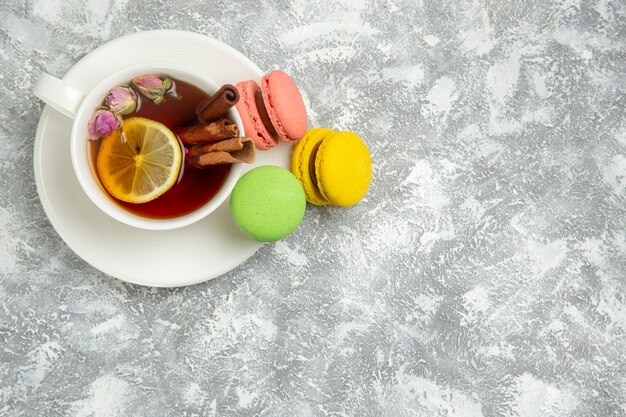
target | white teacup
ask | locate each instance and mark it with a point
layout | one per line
(80, 105)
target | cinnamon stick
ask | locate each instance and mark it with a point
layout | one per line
(203, 133)
(228, 151)
(218, 104)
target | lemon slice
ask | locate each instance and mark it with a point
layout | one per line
(144, 166)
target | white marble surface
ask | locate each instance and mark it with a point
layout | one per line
(484, 274)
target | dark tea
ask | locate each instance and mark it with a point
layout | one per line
(195, 187)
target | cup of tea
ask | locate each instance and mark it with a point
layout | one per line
(195, 194)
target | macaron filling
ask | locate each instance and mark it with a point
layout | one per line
(312, 173)
(265, 118)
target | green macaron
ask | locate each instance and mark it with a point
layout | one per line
(267, 203)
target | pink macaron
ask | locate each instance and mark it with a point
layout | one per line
(252, 112)
(284, 105)
(272, 111)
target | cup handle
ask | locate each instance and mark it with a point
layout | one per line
(58, 94)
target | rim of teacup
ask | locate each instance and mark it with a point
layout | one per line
(86, 173)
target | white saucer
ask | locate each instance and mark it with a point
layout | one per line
(193, 254)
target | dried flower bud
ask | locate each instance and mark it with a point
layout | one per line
(102, 123)
(155, 88)
(150, 86)
(122, 100)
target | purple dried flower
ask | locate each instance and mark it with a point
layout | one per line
(122, 100)
(155, 88)
(150, 86)
(102, 123)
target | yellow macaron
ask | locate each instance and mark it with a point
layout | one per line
(333, 167)
(343, 168)
(303, 163)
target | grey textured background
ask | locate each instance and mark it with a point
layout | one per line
(483, 275)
